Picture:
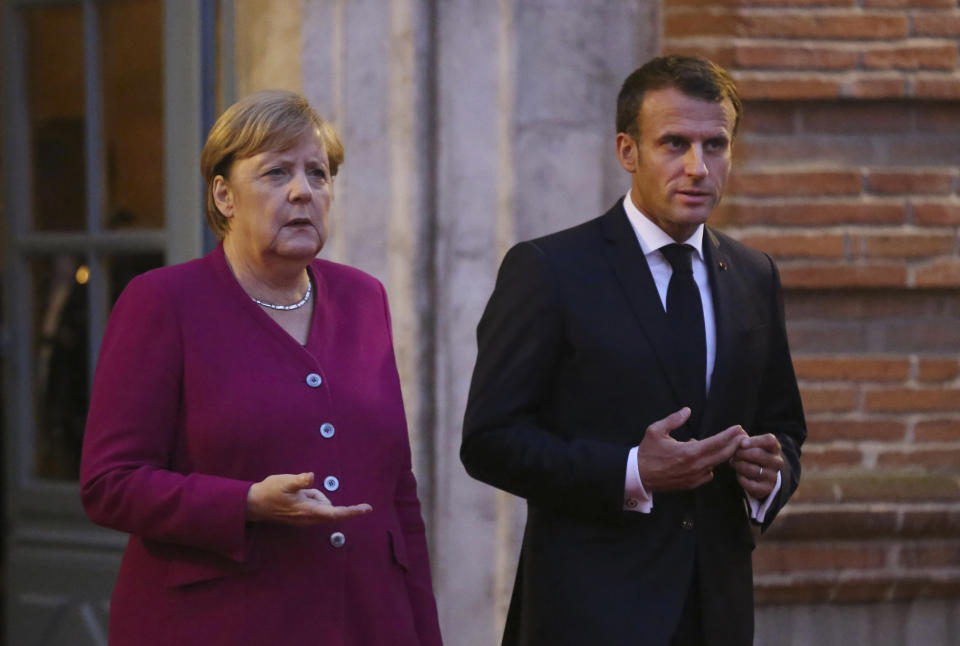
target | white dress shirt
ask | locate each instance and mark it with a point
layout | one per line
(651, 239)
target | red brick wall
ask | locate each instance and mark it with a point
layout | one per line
(848, 172)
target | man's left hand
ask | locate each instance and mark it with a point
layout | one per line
(757, 461)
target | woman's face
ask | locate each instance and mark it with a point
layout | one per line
(278, 202)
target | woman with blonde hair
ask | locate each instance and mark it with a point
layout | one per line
(246, 425)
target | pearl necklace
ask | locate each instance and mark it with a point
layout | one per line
(285, 308)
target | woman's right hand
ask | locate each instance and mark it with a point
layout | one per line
(287, 499)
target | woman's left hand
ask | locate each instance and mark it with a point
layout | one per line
(287, 498)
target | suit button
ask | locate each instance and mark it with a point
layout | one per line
(337, 539)
(327, 430)
(631, 503)
(330, 483)
(686, 523)
(314, 380)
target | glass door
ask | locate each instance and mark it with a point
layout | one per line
(103, 115)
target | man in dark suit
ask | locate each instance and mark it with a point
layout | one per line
(634, 384)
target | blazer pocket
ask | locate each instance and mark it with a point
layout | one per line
(190, 569)
(181, 573)
(398, 547)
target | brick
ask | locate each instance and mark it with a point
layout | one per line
(832, 524)
(938, 117)
(797, 246)
(909, 4)
(862, 86)
(938, 370)
(888, 182)
(861, 118)
(890, 588)
(925, 588)
(930, 523)
(814, 212)
(798, 57)
(938, 273)
(824, 458)
(798, 557)
(888, 488)
(777, 593)
(942, 87)
(768, 118)
(818, 400)
(936, 212)
(761, 3)
(720, 53)
(929, 460)
(907, 400)
(685, 23)
(785, 86)
(931, 554)
(876, 430)
(937, 23)
(823, 24)
(856, 368)
(921, 150)
(836, 276)
(816, 337)
(826, 308)
(905, 245)
(911, 56)
(786, 183)
(923, 336)
(943, 429)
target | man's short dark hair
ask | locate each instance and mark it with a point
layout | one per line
(694, 76)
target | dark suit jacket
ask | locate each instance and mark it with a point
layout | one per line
(574, 363)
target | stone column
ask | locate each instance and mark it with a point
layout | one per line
(526, 95)
(468, 126)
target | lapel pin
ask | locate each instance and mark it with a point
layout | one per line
(722, 265)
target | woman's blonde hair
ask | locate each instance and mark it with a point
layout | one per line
(264, 121)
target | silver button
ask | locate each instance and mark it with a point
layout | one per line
(337, 539)
(327, 430)
(330, 483)
(314, 380)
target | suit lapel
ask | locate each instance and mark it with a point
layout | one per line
(723, 290)
(636, 282)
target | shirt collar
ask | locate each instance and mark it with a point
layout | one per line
(652, 237)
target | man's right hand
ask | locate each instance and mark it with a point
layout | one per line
(668, 465)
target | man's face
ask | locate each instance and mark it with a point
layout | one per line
(682, 160)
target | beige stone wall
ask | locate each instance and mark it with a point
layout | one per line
(267, 37)
(467, 125)
(470, 125)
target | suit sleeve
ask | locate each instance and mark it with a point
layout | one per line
(780, 407)
(407, 503)
(127, 481)
(506, 440)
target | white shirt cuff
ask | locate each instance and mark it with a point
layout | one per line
(635, 497)
(758, 509)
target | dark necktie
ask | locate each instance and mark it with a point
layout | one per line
(685, 320)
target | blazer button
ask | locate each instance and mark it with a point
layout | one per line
(330, 483)
(686, 523)
(337, 539)
(327, 430)
(314, 380)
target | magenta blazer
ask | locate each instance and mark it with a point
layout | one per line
(197, 395)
